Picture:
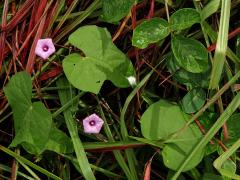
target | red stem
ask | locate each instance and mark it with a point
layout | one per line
(151, 10)
(230, 36)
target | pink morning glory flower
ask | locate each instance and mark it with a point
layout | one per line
(92, 124)
(45, 48)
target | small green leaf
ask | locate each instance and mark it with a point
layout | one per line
(190, 54)
(32, 120)
(193, 100)
(150, 31)
(184, 18)
(103, 61)
(160, 121)
(189, 79)
(115, 10)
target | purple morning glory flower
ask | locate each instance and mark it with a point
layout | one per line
(45, 48)
(92, 124)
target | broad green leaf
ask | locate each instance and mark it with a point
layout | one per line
(115, 10)
(35, 128)
(59, 142)
(190, 54)
(73, 68)
(161, 120)
(19, 89)
(184, 18)
(103, 61)
(150, 31)
(32, 120)
(174, 154)
(187, 78)
(193, 100)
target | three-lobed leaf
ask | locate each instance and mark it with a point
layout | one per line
(150, 31)
(102, 61)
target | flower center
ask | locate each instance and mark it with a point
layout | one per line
(45, 48)
(92, 123)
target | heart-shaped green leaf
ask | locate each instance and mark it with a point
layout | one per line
(103, 61)
(190, 54)
(73, 68)
(32, 120)
(184, 18)
(150, 31)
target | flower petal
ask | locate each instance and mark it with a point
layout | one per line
(39, 50)
(88, 128)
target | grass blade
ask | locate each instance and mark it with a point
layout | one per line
(225, 156)
(129, 152)
(221, 47)
(210, 9)
(29, 163)
(64, 96)
(119, 157)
